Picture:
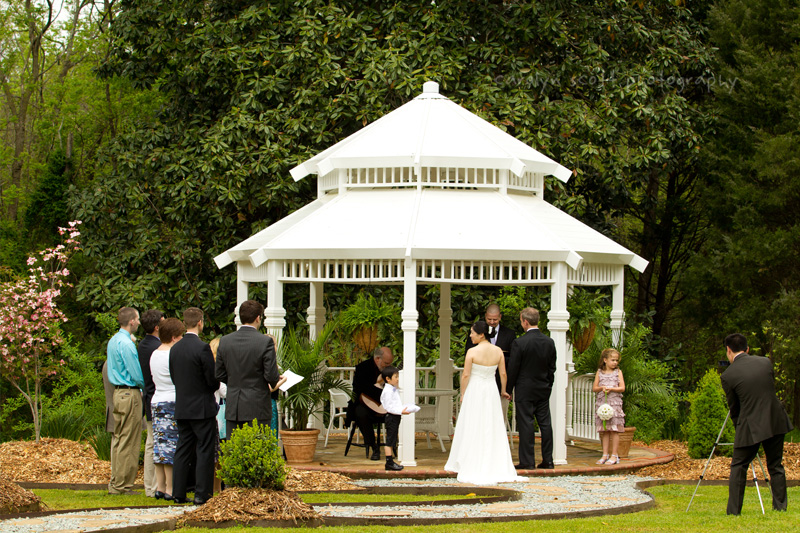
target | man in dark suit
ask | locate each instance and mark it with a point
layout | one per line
(760, 420)
(500, 336)
(246, 363)
(191, 365)
(532, 369)
(150, 321)
(364, 389)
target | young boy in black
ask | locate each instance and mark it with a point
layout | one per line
(390, 400)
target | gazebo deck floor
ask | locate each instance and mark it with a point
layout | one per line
(581, 458)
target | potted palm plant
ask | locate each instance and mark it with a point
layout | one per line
(306, 358)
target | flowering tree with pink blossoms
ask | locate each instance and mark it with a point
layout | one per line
(30, 321)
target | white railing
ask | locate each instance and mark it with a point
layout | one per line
(580, 421)
(580, 414)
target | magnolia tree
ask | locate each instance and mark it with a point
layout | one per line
(30, 321)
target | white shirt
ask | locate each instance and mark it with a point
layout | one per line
(159, 367)
(390, 400)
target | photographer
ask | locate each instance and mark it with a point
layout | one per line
(759, 419)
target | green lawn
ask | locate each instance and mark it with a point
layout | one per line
(706, 514)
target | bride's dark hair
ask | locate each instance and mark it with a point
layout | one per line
(481, 328)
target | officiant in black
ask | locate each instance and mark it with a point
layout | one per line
(365, 408)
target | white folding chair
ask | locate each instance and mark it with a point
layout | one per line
(338, 409)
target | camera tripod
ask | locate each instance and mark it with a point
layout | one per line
(752, 465)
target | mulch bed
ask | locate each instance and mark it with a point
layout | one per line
(247, 505)
(15, 499)
(54, 461)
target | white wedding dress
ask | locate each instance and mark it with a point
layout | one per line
(480, 452)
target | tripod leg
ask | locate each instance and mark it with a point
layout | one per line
(713, 448)
(755, 480)
(764, 472)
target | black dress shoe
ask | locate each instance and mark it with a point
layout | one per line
(176, 499)
(376, 455)
(159, 495)
(546, 466)
(391, 465)
(200, 501)
(523, 467)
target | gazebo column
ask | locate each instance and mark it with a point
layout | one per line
(618, 307)
(408, 381)
(316, 311)
(242, 291)
(274, 314)
(558, 324)
(444, 365)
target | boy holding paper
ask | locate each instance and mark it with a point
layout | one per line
(390, 400)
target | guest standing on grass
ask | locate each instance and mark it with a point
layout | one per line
(165, 429)
(760, 420)
(609, 384)
(191, 364)
(246, 363)
(125, 374)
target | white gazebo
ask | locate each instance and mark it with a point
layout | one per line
(431, 193)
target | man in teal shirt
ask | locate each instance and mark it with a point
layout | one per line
(125, 374)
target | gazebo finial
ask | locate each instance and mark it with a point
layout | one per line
(430, 87)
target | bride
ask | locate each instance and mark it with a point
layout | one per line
(480, 452)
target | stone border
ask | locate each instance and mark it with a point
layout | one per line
(482, 495)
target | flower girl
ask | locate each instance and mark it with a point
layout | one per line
(609, 420)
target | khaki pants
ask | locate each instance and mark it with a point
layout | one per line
(127, 439)
(149, 467)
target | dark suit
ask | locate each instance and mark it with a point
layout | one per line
(531, 372)
(146, 347)
(505, 338)
(246, 363)
(191, 365)
(760, 419)
(364, 377)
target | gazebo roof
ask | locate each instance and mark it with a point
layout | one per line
(430, 224)
(431, 131)
(472, 209)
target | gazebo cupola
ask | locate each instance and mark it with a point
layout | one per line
(433, 194)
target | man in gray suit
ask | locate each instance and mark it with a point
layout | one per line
(760, 420)
(246, 363)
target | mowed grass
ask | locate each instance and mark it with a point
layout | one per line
(707, 513)
(87, 499)
(58, 499)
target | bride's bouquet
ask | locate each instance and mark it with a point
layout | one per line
(605, 412)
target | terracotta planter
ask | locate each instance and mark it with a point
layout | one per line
(625, 440)
(299, 445)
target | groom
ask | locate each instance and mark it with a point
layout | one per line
(531, 371)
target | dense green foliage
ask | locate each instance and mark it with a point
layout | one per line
(747, 278)
(251, 458)
(707, 413)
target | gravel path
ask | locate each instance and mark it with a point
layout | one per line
(551, 495)
(541, 496)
